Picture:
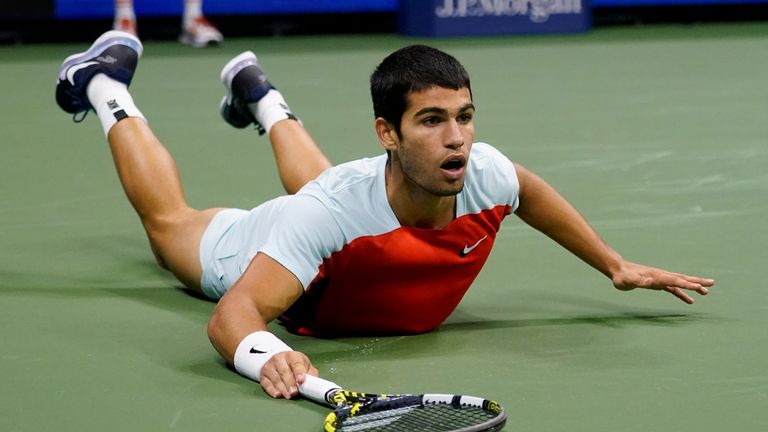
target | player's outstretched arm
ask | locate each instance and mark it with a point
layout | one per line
(238, 328)
(546, 210)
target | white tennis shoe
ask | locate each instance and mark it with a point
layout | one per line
(200, 33)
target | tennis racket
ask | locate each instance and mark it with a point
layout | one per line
(354, 411)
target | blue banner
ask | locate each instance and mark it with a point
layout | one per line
(71, 9)
(78, 9)
(652, 3)
(493, 17)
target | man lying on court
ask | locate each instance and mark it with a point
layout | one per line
(415, 224)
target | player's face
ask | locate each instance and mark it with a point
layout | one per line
(436, 136)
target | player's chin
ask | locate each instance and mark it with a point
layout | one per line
(449, 190)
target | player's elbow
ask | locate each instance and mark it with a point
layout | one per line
(215, 335)
(213, 326)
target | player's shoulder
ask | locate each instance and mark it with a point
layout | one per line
(483, 152)
(485, 160)
(354, 196)
(491, 179)
(354, 174)
(355, 189)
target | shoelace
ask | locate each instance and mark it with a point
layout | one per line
(80, 120)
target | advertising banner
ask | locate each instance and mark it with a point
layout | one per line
(493, 17)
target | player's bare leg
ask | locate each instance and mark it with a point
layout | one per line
(299, 159)
(98, 79)
(151, 181)
(252, 100)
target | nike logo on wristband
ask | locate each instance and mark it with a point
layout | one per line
(468, 249)
(255, 351)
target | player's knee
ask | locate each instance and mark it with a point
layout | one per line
(156, 237)
(160, 233)
(160, 227)
(159, 258)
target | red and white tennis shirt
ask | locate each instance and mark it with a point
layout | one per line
(364, 273)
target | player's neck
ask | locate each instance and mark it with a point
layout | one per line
(415, 207)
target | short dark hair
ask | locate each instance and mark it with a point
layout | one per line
(412, 68)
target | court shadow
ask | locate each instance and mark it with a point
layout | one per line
(178, 300)
(562, 309)
(536, 317)
(113, 261)
(467, 322)
(452, 334)
(104, 266)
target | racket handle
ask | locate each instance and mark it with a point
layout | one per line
(318, 389)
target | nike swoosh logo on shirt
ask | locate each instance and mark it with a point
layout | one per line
(71, 71)
(468, 249)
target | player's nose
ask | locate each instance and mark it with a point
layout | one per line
(454, 138)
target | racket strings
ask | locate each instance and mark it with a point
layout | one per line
(424, 418)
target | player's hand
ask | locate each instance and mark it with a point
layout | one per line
(282, 374)
(631, 276)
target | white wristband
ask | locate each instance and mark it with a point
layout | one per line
(256, 350)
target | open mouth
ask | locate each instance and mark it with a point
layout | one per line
(454, 166)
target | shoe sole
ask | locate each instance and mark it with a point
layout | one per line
(112, 37)
(234, 66)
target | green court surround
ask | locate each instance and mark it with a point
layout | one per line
(658, 134)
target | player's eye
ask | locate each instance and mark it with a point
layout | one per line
(430, 121)
(464, 118)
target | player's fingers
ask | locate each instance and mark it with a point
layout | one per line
(272, 372)
(270, 388)
(691, 285)
(313, 371)
(694, 282)
(310, 371)
(299, 366)
(677, 292)
(665, 280)
(701, 290)
(705, 282)
(285, 370)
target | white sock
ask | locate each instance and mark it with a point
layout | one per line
(270, 109)
(111, 100)
(192, 10)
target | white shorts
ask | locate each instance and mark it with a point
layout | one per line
(231, 240)
(210, 260)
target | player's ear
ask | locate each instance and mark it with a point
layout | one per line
(386, 133)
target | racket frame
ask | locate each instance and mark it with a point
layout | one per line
(350, 404)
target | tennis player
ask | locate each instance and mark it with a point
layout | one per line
(389, 243)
